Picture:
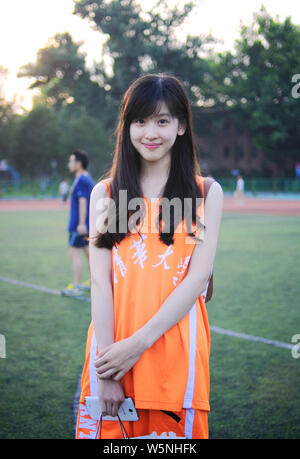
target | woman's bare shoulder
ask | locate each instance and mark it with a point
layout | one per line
(100, 189)
(215, 190)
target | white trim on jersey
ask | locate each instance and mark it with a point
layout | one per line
(92, 369)
(189, 394)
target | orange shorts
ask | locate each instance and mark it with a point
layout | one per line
(188, 423)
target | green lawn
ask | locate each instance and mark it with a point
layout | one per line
(45, 334)
(254, 386)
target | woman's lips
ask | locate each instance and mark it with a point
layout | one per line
(151, 146)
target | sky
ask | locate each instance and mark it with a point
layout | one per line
(26, 26)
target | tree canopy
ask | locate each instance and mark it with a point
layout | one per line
(78, 107)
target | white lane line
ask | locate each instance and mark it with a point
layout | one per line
(259, 339)
(40, 288)
(215, 329)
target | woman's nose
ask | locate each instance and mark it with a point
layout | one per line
(150, 131)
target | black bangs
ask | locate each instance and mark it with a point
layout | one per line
(146, 100)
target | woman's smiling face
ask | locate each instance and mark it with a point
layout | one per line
(153, 137)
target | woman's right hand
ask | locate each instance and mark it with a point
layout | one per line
(111, 396)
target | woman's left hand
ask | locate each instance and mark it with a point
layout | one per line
(117, 359)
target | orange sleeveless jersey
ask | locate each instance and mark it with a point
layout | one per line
(174, 373)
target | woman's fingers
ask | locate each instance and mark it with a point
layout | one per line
(103, 407)
(118, 376)
(115, 409)
(108, 370)
(104, 364)
(103, 368)
(99, 362)
(106, 374)
(108, 408)
(114, 372)
(111, 408)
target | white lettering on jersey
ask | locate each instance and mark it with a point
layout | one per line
(163, 257)
(181, 268)
(140, 250)
(117, 260)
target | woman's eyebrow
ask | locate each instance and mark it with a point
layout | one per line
(163, 114)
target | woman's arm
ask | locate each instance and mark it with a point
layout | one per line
(122, 355)
(110, 392)
(180, 301)
(102, 308)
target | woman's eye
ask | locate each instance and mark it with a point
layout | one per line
(164, 121)
(139, 121)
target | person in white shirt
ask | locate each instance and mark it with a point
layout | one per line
(63, 190)
(239, 191)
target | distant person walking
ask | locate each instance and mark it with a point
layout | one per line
(239, 191)
(63, 190)
(78, 226)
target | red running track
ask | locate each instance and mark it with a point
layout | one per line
(250, 205)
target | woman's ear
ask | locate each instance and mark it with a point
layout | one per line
(181, 128)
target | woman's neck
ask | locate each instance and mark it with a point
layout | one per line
(154, 176)
(152, 186)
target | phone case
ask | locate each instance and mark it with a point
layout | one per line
(127, 411)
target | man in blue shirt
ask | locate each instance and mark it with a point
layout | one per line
(78, 226)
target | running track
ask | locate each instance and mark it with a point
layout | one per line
(249, 206)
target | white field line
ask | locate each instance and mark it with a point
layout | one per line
(259, 339)
(41, 289)
(215, 329)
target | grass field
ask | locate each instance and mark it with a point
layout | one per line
(254, 386)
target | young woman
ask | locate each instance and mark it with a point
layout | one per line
(149, 336)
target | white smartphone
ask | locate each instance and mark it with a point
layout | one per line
(127, 411)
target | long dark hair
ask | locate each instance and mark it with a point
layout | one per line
(141, 100)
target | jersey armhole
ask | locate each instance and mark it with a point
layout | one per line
(107, 184)
(200, 182)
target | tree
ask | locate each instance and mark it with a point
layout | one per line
(81, 131)
(60, 73)
(38, 142)
(256, 83)
(7, 121)
(140, 42)
(71, 106)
